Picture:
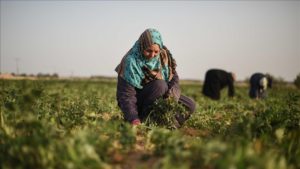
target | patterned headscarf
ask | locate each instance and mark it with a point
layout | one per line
(137, 70)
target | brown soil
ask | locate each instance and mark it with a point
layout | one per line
(140, 157)
(194, 132)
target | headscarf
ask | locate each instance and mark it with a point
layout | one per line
(263, 83)
(137, 70)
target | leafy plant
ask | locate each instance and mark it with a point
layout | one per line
(77, 124)
(163, 113)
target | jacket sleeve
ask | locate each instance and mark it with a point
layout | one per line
(173, 87)
(174, 81)
(127, 101)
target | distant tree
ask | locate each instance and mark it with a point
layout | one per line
(40, 75)
(297, 81)
(55, 75)
(23, 74)
(277, 81)
(47, 75)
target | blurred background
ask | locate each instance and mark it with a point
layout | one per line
(89, 38)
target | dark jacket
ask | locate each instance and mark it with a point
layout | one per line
(256, 90)
(215, 81)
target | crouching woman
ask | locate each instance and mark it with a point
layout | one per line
(146, 73)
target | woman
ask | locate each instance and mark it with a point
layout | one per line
(217, 79)
(259, 83)
(146, 73)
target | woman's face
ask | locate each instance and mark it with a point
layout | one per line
(151, 52)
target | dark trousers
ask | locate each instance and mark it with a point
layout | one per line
(256, 92)
(155, 90)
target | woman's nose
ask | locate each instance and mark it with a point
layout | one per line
(152, 54)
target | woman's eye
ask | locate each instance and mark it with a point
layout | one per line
(151, 51)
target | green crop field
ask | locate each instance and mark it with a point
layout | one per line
(71, 124)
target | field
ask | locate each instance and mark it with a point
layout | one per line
(77, 124)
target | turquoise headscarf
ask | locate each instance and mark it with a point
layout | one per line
(137, 70)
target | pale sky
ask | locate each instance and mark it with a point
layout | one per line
(84, 38)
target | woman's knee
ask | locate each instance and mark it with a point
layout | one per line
(188, 102)
(157, 87)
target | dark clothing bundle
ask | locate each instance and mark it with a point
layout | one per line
(135, 103)
(256, 88)
(215, 81)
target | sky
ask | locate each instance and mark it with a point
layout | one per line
(89, 38)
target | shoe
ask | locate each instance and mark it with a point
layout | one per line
(180, 119)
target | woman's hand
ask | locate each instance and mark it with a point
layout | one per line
(136, 122)
(173, 92)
